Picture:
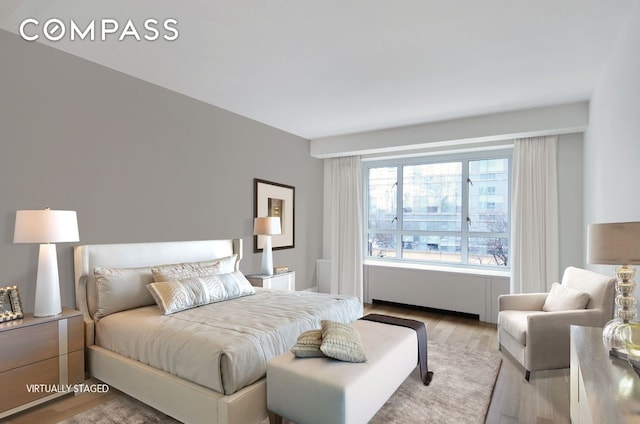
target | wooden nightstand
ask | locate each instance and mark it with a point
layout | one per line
(39, 358)
(285, 281)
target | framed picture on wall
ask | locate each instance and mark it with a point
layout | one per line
(276, 200)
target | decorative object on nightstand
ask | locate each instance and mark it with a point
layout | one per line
(46, 227)
(617, 244)
(280, 269)
(266, 226)
(629, 335)
(283, 281)
(10, 304)
(42, 358)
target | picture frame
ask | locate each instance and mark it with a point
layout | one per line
(275, 199)
(10, 304)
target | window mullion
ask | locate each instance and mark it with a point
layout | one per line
(399, 206)
(365, 210)
(464, 236)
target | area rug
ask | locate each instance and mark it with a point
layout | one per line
(460, 392)
(121, 410)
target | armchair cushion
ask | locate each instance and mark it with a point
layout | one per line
(562, 298)
(515, 323)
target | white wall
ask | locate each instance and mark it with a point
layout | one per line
(475, 294)
(570, 198)
(138, 163)
(612, 141)
(476, 131)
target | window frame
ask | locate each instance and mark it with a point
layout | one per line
(465, 233)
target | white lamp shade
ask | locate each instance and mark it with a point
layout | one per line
(614, 243)
(46, 226)
(268, 225)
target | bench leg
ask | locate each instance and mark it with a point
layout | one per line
(274, 418)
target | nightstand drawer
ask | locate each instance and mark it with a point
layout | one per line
(280, 282)
(41, 379)
(26, 345)
(43, 372)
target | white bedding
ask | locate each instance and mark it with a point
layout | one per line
(223, 346)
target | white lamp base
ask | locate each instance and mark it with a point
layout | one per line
(47, 283)
(267, 257)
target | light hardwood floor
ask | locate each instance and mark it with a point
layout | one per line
(543, 400)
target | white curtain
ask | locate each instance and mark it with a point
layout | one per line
(345, 222)
(534, 215)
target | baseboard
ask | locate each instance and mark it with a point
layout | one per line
(427, 309)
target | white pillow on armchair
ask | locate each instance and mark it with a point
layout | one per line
(562, 298)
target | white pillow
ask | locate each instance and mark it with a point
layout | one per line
(175, 296)
(561, 298)
(194, 269)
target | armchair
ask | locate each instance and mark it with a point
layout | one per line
(539, 340)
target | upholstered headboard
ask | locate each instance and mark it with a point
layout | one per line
(134, 255)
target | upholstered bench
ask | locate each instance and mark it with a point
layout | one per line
(324, 390)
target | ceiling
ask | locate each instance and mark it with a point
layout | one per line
(333, 67)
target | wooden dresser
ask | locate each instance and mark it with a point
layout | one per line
(603, 389)
(40, 359)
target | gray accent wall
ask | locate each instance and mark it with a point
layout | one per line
(139, 163)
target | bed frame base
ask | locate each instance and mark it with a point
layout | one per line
(178, 398)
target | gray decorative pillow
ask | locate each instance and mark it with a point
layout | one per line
(181, 271)
(308, 345)
(120, 289)
(342, 342)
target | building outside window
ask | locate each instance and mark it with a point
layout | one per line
(452, 210)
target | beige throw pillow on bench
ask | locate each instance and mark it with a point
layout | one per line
(308, 345)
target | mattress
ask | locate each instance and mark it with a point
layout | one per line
(224, 346)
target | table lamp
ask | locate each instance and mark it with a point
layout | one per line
(46, 227)
(267, 226)
(617, 244)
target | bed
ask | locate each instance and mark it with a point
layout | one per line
(205, 364)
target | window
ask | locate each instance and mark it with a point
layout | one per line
(447, 211)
